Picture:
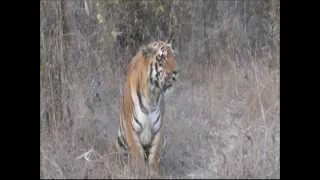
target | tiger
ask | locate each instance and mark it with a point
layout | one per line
(151, 73)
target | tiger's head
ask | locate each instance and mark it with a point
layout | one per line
(162, 71)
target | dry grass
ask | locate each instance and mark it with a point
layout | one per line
(221, 125)
(221, 121)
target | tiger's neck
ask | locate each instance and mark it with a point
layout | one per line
(155, 97)
(150, 103)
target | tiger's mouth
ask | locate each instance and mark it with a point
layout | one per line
(170, 81)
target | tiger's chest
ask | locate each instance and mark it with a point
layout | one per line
(147, 114)
(155, 120)
(151, 127)
(148, 122)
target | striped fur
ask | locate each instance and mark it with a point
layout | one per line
(150, 73)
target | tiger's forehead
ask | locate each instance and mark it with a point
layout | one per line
(157, 44)
(161, 46)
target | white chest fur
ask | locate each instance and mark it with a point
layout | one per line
(146, 124)
(155, 118)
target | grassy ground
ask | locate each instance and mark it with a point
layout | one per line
(220, 122)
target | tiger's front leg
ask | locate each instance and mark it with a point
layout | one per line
(136, 151)
(154, 156)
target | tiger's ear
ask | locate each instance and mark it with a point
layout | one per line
(169, 45)
(146, 51)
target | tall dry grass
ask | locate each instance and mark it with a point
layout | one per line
(221, 120)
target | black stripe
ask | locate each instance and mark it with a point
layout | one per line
(150, 73)
(143, 109)
(121, 142)
(157, 119)
(154, 134)
(157, 75)
(158, 98)
(137, 121)
(156, 64)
